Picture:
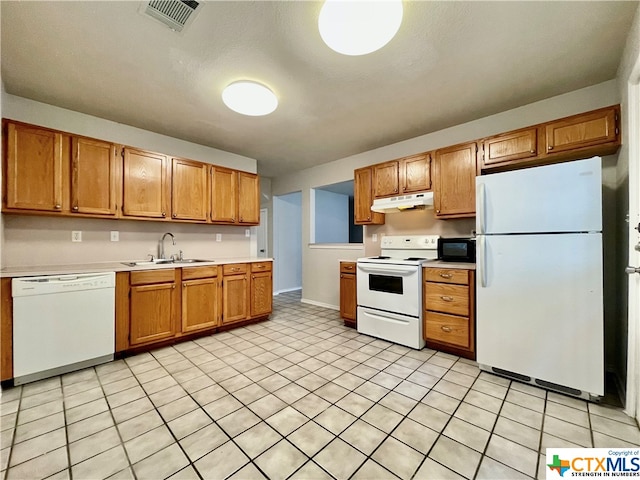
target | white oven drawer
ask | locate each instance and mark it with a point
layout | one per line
(392, 327)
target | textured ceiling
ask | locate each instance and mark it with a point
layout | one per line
(451, 62)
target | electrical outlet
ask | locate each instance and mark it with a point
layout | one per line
(374, 237)
(115, 236)
(218, 237)
(76, 236)
(247, 232)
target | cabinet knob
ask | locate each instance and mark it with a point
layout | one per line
(75, 208)
(550, 147)
(395, 190)
(57, 206)
(437, 211)
(341, 276)
(164, 214)
(369, 217)
(173, 286)
(184, 285)
(253, 276)
(445, 328)
(532, 151)
(241, 219)
(174, 215)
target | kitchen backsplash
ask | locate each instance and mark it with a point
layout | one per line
(47, 241)
(416, 222)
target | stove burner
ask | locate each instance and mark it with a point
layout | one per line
(413, 259)
(380, 257)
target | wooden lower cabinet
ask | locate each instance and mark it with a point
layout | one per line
(449, 310)
(348, 300)
(153, 304)
(235, 294)
(200, 298)
(261, 289)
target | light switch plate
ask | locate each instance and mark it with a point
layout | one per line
(76, 236)
(115, 236)
(247, 232)
(218, 237)
(374, 237)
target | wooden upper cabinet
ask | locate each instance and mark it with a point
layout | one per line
(146, 184)
(509, 147)
(248, 198)
(455, 181)
(224, 195)
(385, 179)
(189, 192)
(34, 168)
(94, 177)
(363, 198)
(584, 130)
(415, 173)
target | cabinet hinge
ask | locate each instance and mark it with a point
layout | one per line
(617, 131)
(122, 153)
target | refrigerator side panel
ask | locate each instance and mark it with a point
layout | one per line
(540, 307)
(565, 197)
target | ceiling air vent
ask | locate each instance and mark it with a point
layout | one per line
(176, 14)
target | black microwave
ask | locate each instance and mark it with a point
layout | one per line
(457, 249)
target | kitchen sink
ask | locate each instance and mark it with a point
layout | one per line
(191, 260)
(162, 261)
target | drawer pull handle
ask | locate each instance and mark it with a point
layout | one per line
(446, 329)
(446, 275)
(349, 267)
(446, 298)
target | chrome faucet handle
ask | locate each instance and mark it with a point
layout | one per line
(152, 257)
(180, 256)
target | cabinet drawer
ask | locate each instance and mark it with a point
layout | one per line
(348, 267)
(192, 273)
(447, 328)
(235, 268)
(153, 276)
(261, 267)
(446, 275)
(443, 297)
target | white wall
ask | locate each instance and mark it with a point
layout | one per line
(287, 242)
(34, 240)
(331, 217)
(320, 267)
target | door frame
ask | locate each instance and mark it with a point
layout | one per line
(262, 233)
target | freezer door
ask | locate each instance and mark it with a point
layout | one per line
(540, 307)
(566, 197)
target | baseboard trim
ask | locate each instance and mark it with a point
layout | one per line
(320, 304)
(286, 290)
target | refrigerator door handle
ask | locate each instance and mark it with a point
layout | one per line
(482, 263)
(482, 194)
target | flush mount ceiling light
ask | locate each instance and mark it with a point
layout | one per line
(359, 27)
(249, 98)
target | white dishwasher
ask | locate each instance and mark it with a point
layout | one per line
(62, 323)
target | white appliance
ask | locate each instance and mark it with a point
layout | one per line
(539, 294)
(62, 323)
(402, 202)
(389, 289)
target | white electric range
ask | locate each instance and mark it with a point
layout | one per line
(389, 289)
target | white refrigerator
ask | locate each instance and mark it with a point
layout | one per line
(539, 276)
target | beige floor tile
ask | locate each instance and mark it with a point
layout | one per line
(331, 392)
(613, 428)
(37, 446)
(441, 401)
(238, 421)
(310, 471)
(38, 427)
(203, 441)
(187, 473)
(476, 416)
(132, 409)
(39, 467)
(490, 388)
(281, 460)
(335, 419)
(611, 413)
(148, 443)
(398, 402)
(383, 418)
(522, 415)
(372, 470)
(102, 465)
(467, 434)
(287, 420)
(339, 459)
(162, 464)
(177, 408)
(27, 415)
(398, 457)
(267, 406)
(568, 414)
(363, 436)
(411, 390)
(525, 400)
(222, 462)
(492, 470)
(457, 457)
(87, 410)
(484, 401)
(429, 417)
(94, 444)
(517, 432)
(248, 472)
(415, 435)
(139, 425)
(513, 455)
(222, 407)
(257, 439)
(568, 431)
(310, 438)
(189, 423)
(431, 470)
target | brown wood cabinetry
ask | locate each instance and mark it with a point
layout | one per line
(363, 198)
(261, 289)
(584, 130)
(235, 293)
(95, 177)
(449, 310)
(224, 195)
(455, 181)
(385, 179)
(201, 298)
(415, 173)
(248, 198)
(348, 299)
(35, 176)
(153, 306)
(146, 184)
(518, 145)
(189, 190)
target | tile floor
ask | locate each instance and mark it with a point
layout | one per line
(298, 396)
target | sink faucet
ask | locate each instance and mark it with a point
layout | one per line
(161, 244)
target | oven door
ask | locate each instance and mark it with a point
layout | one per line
(391, 288)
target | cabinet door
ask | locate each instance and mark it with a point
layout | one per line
(385, 179)
(415, 173)
(348, 296)
(152, 313)
(509, 147)
(200, 301)
(363, 198)
(146, 184)
(235, 298)
(189, 193)
(224, 195)
(261, 294)
(34, 168)
(94, 177)
(455, 181)
(248, 198)
(583, 130)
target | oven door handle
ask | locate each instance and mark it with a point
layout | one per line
(386, 270)
(387, 319)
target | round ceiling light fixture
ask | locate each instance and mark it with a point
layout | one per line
(249, 98)
(359, 27)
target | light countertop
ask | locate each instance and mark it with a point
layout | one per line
(98, 267)
(454, 265)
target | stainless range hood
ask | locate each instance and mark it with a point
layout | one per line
(403, 202)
